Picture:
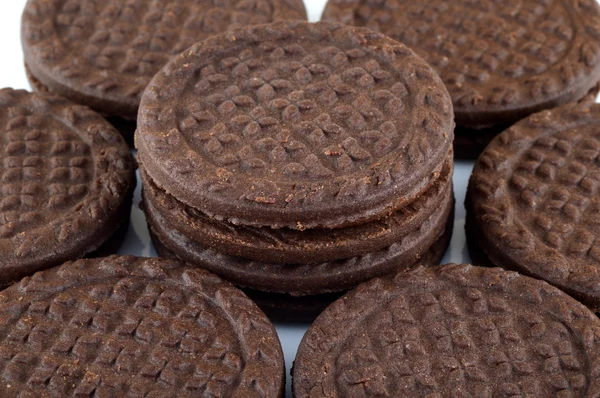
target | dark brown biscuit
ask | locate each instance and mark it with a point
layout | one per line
(301, 309)
(103, 53)
(134, 327)
(501, 60)
(290, 246)
(295, 125)
(451, 331)
(533, 199)
(66, 182)
(303, 280)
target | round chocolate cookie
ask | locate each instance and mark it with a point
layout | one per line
(306, 279)
(501, 60)
(135, 327)
(533, 199)
(451, 331)
(290, 246)
(103, 53)
(295, 125)
(66, 182)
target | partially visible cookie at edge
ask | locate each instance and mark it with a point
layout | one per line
(67, 180)
(453, 330)
(126, 326)
(532, 200)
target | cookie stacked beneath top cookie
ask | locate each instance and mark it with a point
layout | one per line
(501, 60)
(103, 53)
(298, 158)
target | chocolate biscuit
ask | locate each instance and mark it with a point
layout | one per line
(532, 201)
(124, 326)
(451, 331)
(295, 125)
(67, 181)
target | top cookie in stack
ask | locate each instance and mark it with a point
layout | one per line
(501, 60)
(103, 53)
(284, 156)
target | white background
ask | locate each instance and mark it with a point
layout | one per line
(138, 243)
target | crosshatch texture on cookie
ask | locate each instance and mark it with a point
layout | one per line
(295, 128)
(492, 55)
(454, 329)
(125, 325)
(545, 207)
(64, 172)
(110, 49)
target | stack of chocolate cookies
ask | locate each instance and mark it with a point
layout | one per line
(298, 158)
(501, 60)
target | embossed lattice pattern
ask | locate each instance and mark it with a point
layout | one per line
(454, 331)
(543, 215)
(46, 169)
(118, 45)
(272, 114)
(490, 53)
(271, 121)
(64, 173)
(133, 331)
(557, 179)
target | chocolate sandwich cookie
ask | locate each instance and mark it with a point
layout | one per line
(501, 60)
(306, 279)
(103, 53)
(290, 246)
(533, 203)
(135, 327)
(295, 125)
(302, 309)
(451, 331)
(66, 183)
